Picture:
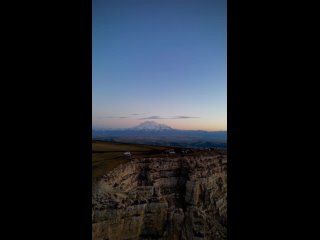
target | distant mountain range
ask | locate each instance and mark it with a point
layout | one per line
(150, 132)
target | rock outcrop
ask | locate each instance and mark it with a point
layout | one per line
(163, 198)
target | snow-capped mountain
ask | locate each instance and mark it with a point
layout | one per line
(150, 132)
(151, 126)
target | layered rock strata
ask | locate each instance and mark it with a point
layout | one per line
(162, 198)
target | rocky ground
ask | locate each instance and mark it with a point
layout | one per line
(163, 198)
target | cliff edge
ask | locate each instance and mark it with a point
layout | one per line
(163, 198)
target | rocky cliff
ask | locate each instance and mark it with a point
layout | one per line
(163, 198)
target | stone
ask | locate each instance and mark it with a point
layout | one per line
(163, 198)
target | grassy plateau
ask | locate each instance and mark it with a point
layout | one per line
(108, 155)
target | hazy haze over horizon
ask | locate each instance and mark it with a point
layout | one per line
(148, 122)
(160, 60)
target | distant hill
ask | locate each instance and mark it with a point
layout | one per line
(150, 132)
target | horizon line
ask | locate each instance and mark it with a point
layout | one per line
(124, 128)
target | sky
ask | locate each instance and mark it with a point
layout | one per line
(159, 60)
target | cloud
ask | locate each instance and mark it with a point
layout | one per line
(183, 117)
(137, 114)
(175, 117)
(110, 117)
(153, 117)
(146, 118)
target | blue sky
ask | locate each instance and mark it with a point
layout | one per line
(160, 60)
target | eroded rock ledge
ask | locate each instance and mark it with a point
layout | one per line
(163, 198)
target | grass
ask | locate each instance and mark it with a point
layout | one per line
(108, 155)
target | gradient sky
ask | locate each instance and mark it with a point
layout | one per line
(164, 60)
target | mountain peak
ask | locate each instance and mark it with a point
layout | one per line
(152, 125)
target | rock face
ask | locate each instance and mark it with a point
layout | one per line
(163, 198)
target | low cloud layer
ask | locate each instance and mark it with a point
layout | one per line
(184, 117)
(111, 117)
(153, 117)
(146, 118)
(175, 117)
